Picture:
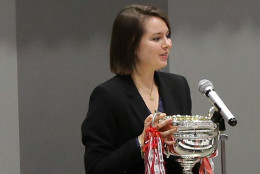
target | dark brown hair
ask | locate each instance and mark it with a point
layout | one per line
(126, 35)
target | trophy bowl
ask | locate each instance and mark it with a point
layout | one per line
(196, 138)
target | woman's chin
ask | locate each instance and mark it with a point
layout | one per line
(164, 64)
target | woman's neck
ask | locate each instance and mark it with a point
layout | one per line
(143, 79)
(147, 88)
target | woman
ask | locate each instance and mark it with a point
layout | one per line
(120, 109)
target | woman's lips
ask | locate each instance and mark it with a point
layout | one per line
(164, 56)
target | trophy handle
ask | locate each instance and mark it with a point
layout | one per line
(156, 114)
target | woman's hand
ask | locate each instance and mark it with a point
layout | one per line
(165, 128)
(147, 123)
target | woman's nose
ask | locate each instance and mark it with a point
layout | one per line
(167, 43)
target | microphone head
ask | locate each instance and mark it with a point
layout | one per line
(204, 85)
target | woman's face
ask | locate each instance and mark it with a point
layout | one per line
(154, 47)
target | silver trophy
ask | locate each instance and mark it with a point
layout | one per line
(196, 138)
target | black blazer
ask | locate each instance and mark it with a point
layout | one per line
(116, 117)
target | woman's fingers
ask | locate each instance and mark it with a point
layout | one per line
(148, 120)
(169, 142)
(159, 117)
(164, 123)
(169, 133)
(168, 136)
(165, 127)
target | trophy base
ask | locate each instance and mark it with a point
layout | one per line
(188, 164)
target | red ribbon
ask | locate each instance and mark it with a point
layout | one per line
(205, 165)
(153, 148)
(151, 132)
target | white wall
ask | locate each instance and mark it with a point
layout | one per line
(63, 53)
(220, 40)
(9, 127)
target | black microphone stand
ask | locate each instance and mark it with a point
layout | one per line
(217, 118)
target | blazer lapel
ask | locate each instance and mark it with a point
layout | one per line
(138, 106)
(168, 96)
(137, 103)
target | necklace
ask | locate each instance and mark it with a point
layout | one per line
(139, 86)
(150, 93)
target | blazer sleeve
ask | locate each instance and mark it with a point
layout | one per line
(99, 135)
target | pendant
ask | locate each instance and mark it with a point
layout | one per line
(151, 98)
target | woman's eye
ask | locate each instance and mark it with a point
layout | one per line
(168, 36)
(156, 39)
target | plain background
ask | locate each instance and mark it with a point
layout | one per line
(53, 53)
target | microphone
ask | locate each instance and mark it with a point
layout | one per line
(206, 87)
